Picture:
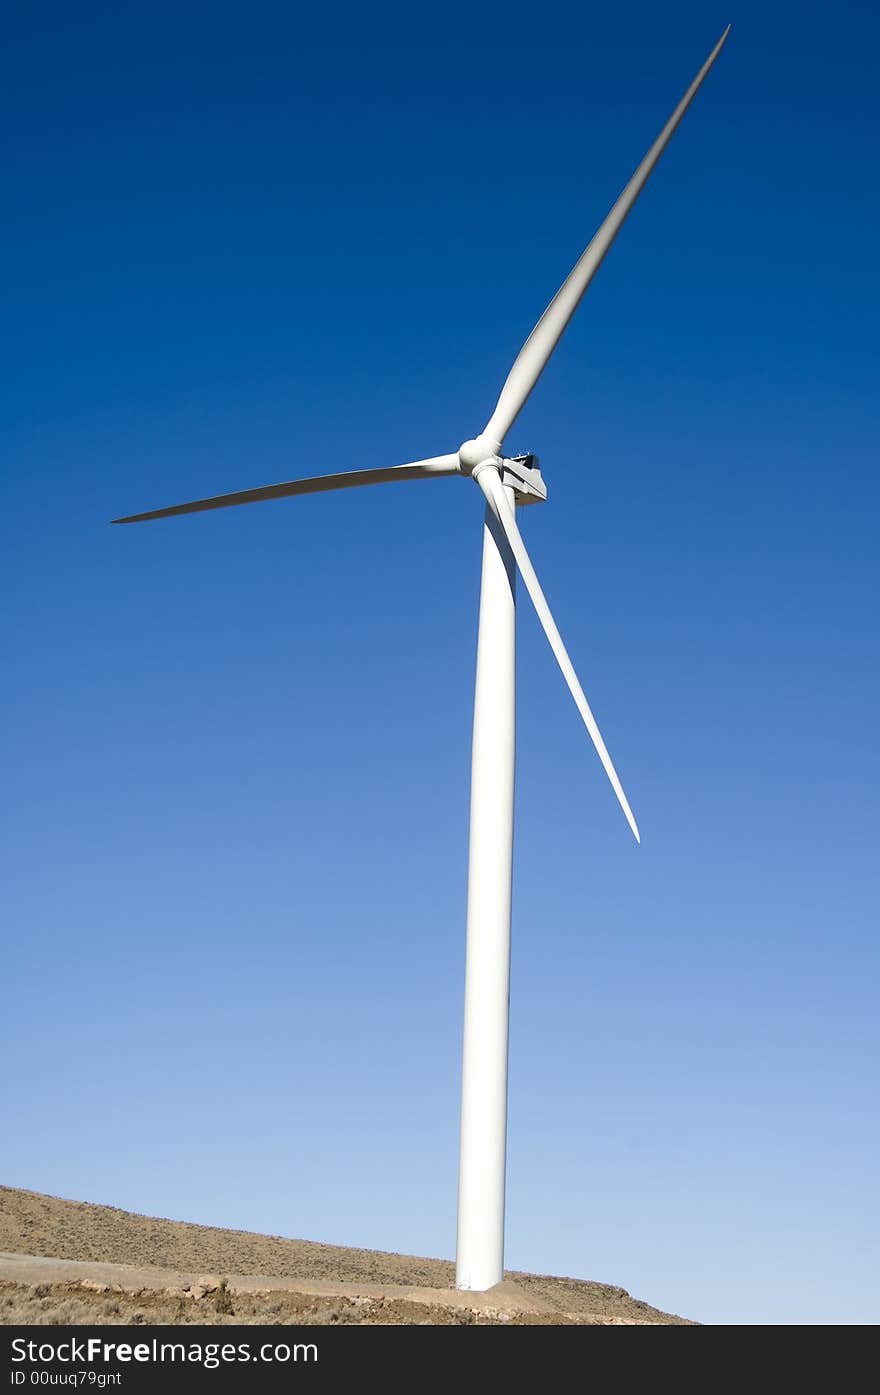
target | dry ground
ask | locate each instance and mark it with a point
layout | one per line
(122, 1268)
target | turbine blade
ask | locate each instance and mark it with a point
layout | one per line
(416, 470)
(490, 482)
(534, 354)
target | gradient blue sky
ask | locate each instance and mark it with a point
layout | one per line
(244, 243)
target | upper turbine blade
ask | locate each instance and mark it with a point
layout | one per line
(416, 470)
(534, 354)
(490, 482)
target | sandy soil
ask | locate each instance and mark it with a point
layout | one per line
(74, 1262)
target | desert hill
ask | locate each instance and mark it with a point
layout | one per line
(120, 1266)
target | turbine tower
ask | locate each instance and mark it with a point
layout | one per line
(506, 481)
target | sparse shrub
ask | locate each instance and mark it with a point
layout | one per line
(223, 1298)
(63, 1314)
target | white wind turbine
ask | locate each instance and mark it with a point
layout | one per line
(505, 481)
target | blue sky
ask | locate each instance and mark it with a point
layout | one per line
(244, 243)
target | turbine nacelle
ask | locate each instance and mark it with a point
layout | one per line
(521, 473)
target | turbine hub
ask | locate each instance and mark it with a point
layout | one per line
(474, 453)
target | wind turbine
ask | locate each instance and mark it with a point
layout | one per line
(506, 481)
